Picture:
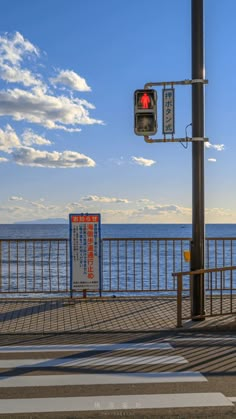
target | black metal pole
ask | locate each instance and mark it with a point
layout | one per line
(198, 209)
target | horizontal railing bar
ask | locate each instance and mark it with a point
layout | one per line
(205, 271)
(120, 238)
(34, 240)
(142, 290)
(220, 238)
(146, 238)
(61, 291)
(112, 291)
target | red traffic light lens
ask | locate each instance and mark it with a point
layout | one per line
(145, 101)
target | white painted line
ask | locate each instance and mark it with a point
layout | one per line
(87, 347)
(74, 362)
(213, 339)
(232, 399)
(96, 403)
(91, 379)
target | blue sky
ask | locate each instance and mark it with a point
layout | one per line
(68, 70)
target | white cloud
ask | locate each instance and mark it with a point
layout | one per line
(8, 139)
(27, 209)
(29, 138)
(49, 111)
(74, 204)
(37, 204)
(17, 75)
(73, 207)
(10, 210)
(14, 47)
(161, 209)
(16, 198)
(30, 210)
(28, 156)
(72, 80)
(143, 201)
(117, 216)
(212, 160)
(32, 104)
(151, 214)
(218, 212)
(142, 161)
(104, 199)
(217, 147)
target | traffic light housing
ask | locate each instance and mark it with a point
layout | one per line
(145, 112)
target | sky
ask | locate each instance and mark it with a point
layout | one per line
(68, 72)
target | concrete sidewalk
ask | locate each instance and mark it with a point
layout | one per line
(120, 314)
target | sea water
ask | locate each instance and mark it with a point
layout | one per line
(61, 231)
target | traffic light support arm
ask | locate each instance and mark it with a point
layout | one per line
(172, 83)
(174, 140)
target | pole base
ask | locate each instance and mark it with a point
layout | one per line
(198, 317)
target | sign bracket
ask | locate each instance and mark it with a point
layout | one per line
(171, 139)
(172, 83)
(175, 140)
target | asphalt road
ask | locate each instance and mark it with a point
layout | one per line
(139, 375)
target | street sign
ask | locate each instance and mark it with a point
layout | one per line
(85, 251)
(145, 112)
(168, 111)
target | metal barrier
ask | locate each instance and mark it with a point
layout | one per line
(34, 266)
(141, 264)
(219, 300)
(129, 265)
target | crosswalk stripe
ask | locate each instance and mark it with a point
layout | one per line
(87, 347)
(86, 361)
(95, 403)
(99, 403)
(232, 399)
(90, 379)
(200, 338)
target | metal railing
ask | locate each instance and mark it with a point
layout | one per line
(218, 301)
(141, 264)
(34, 266)
(129, 265)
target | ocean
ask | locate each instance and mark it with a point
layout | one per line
(61, 231)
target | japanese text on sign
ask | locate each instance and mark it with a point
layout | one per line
(168, 109)
(85, 251)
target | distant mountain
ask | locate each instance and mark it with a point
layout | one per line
(45, 221)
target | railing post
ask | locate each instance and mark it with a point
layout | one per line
(179, 299)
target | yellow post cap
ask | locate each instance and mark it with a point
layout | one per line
(187, 255)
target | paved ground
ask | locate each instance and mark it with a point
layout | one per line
(114, 357)
(159, 375)
(101, 315)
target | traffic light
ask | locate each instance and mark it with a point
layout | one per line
(145, 112)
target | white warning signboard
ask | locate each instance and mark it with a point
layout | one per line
(85, 252)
